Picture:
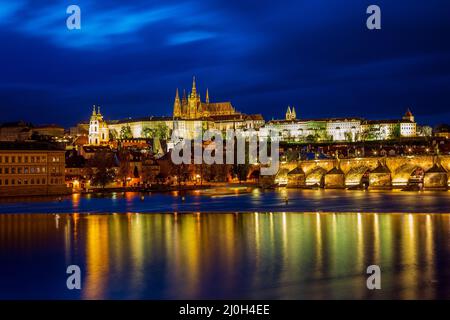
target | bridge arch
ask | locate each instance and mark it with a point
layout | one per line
(406, 174)
(357, 176)
(316, 176)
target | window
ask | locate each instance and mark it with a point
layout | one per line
(13, 181)
(1, 182)
(25, 159)
(25, 181)
(25, 170)
(6, 181)
(32, 181)
(6, 170)
(32, 170)
(1, 159)
(38, 170)
(19, 159)
(13, 170)
(32, 159)
(1, 170)
(19, 170)
(43, 181)
(13, 159)
(19, 181)
(6, 160)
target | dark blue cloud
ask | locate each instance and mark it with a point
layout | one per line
(129, 57)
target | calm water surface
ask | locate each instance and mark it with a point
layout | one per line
(237, 201)
(225, 255)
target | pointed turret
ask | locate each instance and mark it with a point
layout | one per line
(194, 89)
(98, 110)
(293, 114)
(288, 113)
(207, 95)
(93, 110)
(177, 105)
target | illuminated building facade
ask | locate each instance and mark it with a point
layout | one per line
(190, 116)
(339, 129)
(98, 128)
(31, 168)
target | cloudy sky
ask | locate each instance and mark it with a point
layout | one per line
(130, 56)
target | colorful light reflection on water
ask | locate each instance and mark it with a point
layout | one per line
(225, 255)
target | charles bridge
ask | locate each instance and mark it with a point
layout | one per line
(425, 171)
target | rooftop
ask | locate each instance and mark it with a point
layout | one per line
(31, 146)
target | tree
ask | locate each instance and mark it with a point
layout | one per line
(113, 134)
(103, 176)
(241, 171)
(396, 132)
(180, 171)
(125, 132)
(161, 131)
(103, 162)
(148, 132)
(136, 172)
(348, 136)
(311, 139)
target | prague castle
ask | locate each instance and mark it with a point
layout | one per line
(193, 108)
(190, 115)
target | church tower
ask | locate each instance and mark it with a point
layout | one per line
(98, 128)
(207, 96)
(177, 106)
(288, 113)
(193, 101)
(408, 116)
(293, 114)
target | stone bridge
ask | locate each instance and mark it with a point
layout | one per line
(430, 172)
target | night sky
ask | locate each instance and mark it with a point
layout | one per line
(130, 56)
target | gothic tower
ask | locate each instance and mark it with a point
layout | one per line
(293, 114)
(193, 101)
(288, 113)
(177, 106)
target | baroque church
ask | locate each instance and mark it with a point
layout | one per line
(191, 107)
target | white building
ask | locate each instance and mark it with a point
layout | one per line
(339, 129)
(98, 128)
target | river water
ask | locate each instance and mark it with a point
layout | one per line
(269, 252)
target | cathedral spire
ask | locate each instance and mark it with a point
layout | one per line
(177, 105)
(98, 110)
(194, 89)
(207, 95)
(184, 95)
(93, 110)
(288, 113)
